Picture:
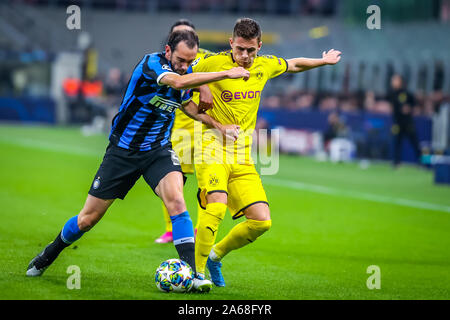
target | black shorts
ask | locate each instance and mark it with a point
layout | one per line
(121, 168)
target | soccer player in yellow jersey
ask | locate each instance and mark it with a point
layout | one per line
(236, 184)
(183, 131)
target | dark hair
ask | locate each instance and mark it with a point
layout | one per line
(247, 28)
(187, 36)
(182, 22)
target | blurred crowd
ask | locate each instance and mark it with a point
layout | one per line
(440, 9)
(364, 98)
(99, 97)
(359, 101)
(106, 90)
(109, 90)
(303, 7)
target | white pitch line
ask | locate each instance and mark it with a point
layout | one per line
(68, 149)
(354, 194)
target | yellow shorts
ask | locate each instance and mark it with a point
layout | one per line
(240, 181)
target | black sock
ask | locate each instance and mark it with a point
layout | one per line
(51, 252)
(186, 252)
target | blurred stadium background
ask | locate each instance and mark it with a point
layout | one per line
(50, 74)
(67, 84)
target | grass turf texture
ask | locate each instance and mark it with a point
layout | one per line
(319, 247)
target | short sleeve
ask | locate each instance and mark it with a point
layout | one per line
(275, 66)
(156, 67)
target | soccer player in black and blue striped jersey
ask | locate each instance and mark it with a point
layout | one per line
(140, 146)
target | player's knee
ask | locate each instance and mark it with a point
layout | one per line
(258, 211)
(258, 228)
(176, 205)
(216, 209)
(86, 221)
(215, 197)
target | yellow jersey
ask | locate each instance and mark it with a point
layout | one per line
(236, 101)
(183, 132)
(182, 121)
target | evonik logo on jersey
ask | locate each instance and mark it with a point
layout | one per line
(227, 95)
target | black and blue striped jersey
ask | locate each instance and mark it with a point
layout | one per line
(147, 112)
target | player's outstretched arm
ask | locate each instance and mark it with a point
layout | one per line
(304, 64)
(193, 80)
(231, 131)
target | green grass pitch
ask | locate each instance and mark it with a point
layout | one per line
(330, 223)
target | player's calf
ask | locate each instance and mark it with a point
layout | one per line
(208, 226)
(72, 230)
(241, 235)
(69, 234)
(94, 209)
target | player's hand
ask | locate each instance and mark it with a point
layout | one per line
(230, 131)
(238, 72)
(331, 57)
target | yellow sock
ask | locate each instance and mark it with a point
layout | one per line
(167, 218)
(208, 225)
(242, 234)
(198, 214)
